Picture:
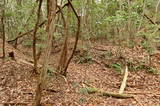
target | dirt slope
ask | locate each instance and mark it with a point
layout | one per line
(17, 85)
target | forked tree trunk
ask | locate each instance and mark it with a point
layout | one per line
(63, 58)
(50, 31)
(76, 38)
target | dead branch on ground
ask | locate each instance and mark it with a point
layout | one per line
(93, 89)
(123, 85)
(99, 49)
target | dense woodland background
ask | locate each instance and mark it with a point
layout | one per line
(80, 52)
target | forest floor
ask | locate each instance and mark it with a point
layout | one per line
(92, 66)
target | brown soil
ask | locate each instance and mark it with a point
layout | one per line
(17, 83)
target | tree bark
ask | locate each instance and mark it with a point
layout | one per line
(2, 23)
(76, 38)
(50, 31)
(34, 36)
(63, 58)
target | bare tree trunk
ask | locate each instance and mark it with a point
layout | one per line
(76, 38)
(63, 58)
(50, 31)
(2, 27)
(34, 36)
(88, 16)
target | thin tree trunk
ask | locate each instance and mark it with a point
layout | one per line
(63, 58)
(50, 31)
(88, 16)
(4, 37)
(34, 36)
(76, 38)
(2, 27)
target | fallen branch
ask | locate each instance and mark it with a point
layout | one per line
(14, 103)
(99, 49)
(91, 90)
(20, 61)
(116, 95)
(143, 93)
(123, 85)
(22, 104)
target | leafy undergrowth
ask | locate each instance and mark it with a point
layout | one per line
(100, 67)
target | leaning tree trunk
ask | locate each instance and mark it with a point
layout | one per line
(50, 31)
(2, 24)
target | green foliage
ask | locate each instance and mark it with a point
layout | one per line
(75, 85)
(106, 17)
(28, 43)
(57, 36)
(51, 71)
(84, 59)
(131, 65)
(19, 16)
(116, 20)
(145, 45)
(40, 46)
(88, 90)
(91, 90)
(107, 55)
(147, 68)
(7, 58)
(85, 56)
(83, 91)
(82, 100)
(117, 67)
(152, 70)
